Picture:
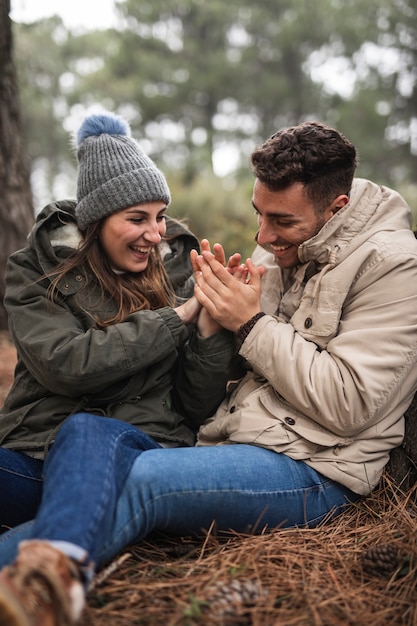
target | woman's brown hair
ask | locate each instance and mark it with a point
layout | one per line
(150, 289)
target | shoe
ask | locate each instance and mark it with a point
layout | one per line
(42, 587)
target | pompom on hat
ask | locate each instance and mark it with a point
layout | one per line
(113, 171)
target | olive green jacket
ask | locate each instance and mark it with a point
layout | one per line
(150, 370)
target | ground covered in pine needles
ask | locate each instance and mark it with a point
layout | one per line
(359, 569)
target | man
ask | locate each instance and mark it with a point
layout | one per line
(332, 343)
(326, 330)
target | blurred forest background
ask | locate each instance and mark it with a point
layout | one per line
(203, 83)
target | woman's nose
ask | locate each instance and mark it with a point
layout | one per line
(152, 233)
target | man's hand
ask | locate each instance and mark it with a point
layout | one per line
(205, 323)
(229, 300)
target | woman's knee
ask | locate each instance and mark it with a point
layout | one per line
(75, 421)
(81, 422)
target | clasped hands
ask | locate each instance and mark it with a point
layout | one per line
(226, 296)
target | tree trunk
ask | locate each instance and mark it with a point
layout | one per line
(16, 206)
(402, 466)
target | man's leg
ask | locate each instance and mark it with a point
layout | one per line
(241, 487)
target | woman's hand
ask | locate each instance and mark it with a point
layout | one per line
(189, 311)
(206, 325)
(234, 266)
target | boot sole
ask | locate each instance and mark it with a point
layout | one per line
(11, 613)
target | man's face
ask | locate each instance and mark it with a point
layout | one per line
(286, 219)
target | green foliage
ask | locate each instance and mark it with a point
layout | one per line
(193, 76)
(39, 73)
(196, 607)
(214, 211)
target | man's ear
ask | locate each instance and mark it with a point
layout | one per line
(339, 203)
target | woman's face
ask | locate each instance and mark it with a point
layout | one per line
(128, 236)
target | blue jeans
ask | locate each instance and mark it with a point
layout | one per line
(20, 487)
(107, 484)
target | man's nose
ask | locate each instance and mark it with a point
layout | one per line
(266, 234)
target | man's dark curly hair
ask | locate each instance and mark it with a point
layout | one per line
(311, 153)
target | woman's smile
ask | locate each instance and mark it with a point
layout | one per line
(129, 236)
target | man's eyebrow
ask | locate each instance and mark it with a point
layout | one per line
(273, 214)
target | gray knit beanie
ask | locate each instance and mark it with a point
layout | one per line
(113, 172)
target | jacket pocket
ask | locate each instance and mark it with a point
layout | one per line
(263, 418)
(317, 325)
(299, 424)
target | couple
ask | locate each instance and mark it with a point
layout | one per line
(123, 418)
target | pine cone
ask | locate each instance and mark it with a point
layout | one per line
(224, 599)
(381, 560)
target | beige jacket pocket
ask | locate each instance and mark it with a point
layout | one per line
(262, 418)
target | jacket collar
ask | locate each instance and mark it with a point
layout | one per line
(371, 208)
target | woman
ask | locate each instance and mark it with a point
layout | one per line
(97, 311)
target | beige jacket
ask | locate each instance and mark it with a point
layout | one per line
(333, 363)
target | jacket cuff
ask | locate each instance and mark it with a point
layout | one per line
(244, 330)
(175, 325)
(216, 343)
